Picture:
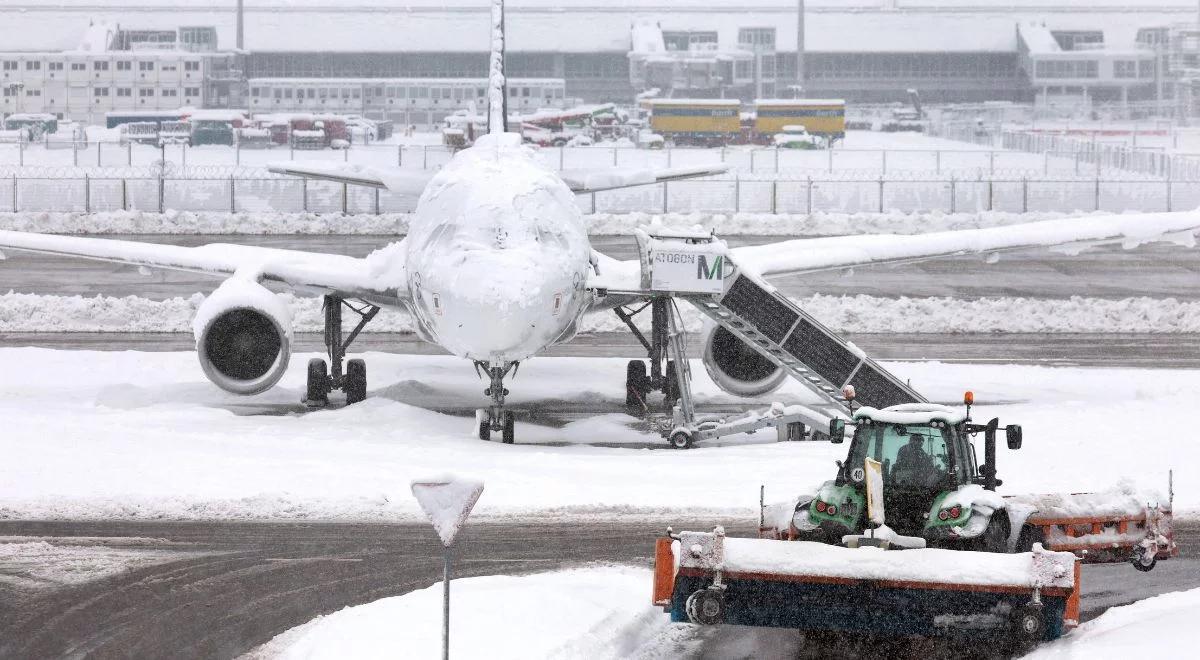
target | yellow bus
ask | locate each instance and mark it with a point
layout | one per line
(822, 117)
(705, 122)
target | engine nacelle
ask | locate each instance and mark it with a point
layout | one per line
(243, 336)
(736, 367)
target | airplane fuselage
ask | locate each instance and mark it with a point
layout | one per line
(497, 255)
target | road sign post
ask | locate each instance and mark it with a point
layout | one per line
(447, 501)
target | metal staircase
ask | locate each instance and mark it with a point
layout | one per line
(808, 351)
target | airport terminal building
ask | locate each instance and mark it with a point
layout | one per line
(415, 61)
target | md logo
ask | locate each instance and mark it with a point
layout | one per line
(716, 272)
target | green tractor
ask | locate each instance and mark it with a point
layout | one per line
(934, 487)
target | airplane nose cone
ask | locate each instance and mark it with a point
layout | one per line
(500, 306)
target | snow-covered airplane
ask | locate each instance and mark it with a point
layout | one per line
(497, 267)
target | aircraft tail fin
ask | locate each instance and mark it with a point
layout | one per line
(497, 85)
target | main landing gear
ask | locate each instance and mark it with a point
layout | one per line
(661, 377)
(353, 381)
(495, 417)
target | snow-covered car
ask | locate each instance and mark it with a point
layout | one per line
(581, 141)
(649, 140)
(797, 137)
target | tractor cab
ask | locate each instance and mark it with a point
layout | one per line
(932, 477)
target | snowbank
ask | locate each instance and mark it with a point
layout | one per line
(599, 224)
(598, 613)
(33, 564)
(23, 312)
(1158, 627)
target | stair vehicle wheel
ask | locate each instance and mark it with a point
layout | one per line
(706, 607)
(670, 387)
(681, 440)
(484, 424)
(510, 423)
(636, 384)
(1144, 560)
(356, 381)
(317, 393)
(1028, 627)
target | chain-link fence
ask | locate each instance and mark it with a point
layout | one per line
(807, 195)
(1073, 158)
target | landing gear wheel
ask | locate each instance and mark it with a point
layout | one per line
(355, 386)
(483, 424)
(670, 387)
(510, 432)
(1144, 560)
(706, 607)
(681, 440)
(637, 384)
(317, 392)
(1027, 627)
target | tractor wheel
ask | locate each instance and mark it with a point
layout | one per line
(706, 607)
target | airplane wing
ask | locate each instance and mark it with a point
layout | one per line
(809, 255)
(1070, 235)
(597, 179)
(412, 182)
(378, 277)
(393, 179)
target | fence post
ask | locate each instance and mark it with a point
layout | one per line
(376, 201)
(830, 158)
(232, 194)
(1097, 192)
(14, 193)
(593, 203)
(752, 152)
(883, 160)
(304, 195)
(399, 155)
(666, 195)
(774, 196)
(937, 161)
(881, 193)
(670, 150)
(425, 157)
(991, 194)
(75, 153)
(777, 160)
(124, 194)
(21, 152)
(237, 152)
(162, 194)
(808, 202)
(1024, 195)
(562, 150)
(722, 153)
(992, 163)
(183, 149)
(345, 197)
(952, 195)
(129, 154)
(1168, 195)
(346, 155)
(616, 155)
(737, 194)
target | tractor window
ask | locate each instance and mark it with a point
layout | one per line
(912, 455)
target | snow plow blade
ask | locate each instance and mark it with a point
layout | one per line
(1017, 599)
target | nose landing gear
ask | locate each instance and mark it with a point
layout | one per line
(495, 417)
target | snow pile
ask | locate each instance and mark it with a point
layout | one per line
(599, 224)
(1158, 627)
(23, 312)
(601, 612)
(1125, 499)
(49, 563)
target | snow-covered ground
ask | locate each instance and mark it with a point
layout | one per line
(599, 224)
(1158, 627)
(138, 435)
(22, 312)
(604, 612)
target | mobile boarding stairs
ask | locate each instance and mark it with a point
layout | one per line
(697, 267)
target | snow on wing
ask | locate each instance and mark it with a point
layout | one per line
(394, 179)
(594, 180)
(323, 272)
(817, 254)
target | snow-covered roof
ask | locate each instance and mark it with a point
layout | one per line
(912, 413)
(788, 103)
(584, 26)
(733, 103)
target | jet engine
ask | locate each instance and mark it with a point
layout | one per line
(736, 367)
(243, 336)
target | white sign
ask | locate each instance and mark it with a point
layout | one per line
(874, 470)
(447, 501)
(688, 271)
